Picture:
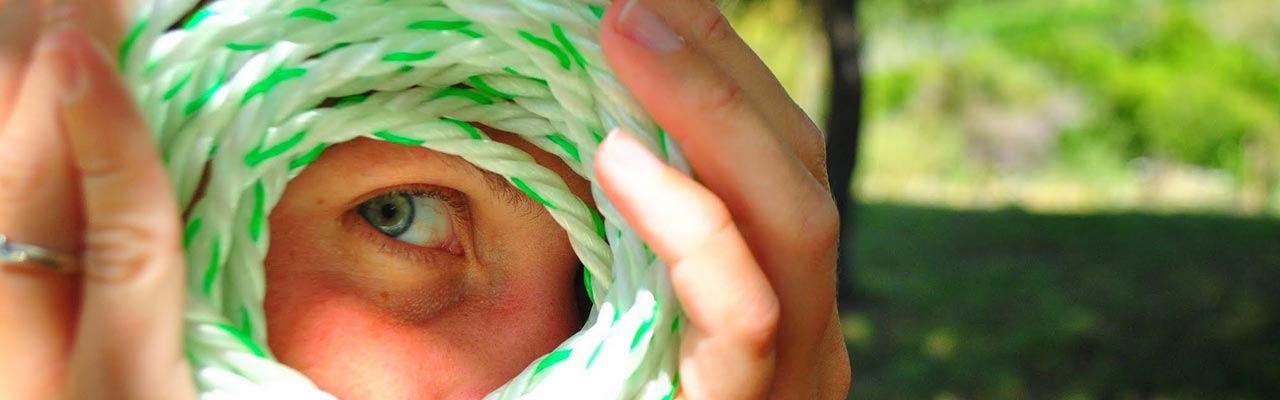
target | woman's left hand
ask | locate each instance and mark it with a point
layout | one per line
(752, 247)
(79, 175)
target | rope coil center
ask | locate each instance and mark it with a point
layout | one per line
(251, 91)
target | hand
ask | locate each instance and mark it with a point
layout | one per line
(751, 250)
(78, 175)
(763, 278)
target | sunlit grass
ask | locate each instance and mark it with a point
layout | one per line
(1065, 200)
(1012, 305)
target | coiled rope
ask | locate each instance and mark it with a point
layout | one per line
(251, 91)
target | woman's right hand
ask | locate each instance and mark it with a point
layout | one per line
(751, 246)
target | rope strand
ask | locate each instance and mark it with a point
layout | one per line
(239, 90)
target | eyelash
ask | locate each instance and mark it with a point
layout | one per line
(459, 216)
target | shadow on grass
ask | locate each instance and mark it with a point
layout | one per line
(1010, 305)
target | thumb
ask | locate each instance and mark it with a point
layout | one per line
(129, 340)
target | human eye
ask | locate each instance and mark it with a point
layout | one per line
(423, 217)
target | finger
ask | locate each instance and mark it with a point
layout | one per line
(129, 340)
(834, 375)
(39, 205)
(727, 140)
(706, 29)
(18, 27)
(732, 312)
(787, 217)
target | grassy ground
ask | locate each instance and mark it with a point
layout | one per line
(1010, 305)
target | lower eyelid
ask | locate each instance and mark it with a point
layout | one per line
(413, 254)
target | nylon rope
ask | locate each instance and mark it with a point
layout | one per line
(250, 91)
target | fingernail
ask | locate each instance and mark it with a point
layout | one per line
(646, 28)
(58, 17)
(58, 34)
(65, 46)
(625, 151)
(70, 68)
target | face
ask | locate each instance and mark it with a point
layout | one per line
(398, 272)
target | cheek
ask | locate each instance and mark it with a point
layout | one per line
(509, 309)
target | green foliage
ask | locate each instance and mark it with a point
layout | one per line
(1165, 79)
(786, 35)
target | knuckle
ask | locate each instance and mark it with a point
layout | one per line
(711, 27)
(16, 177)
(722, 97)
(103, 168)
(811, 146)
(819, 227)
(120, 250)
(718, 226)
(719, 220)
(757, 325)
(817, 165)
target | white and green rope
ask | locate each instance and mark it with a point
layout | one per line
(248, 92)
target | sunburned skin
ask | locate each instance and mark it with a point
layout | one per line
(368, 317)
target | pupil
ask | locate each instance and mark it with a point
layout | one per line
(390, 213)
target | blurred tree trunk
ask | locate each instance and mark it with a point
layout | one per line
(844, 118)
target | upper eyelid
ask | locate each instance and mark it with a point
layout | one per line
(449, 196)
(496, 184)
(507, 191)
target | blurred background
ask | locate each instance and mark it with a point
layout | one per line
(1074, 199)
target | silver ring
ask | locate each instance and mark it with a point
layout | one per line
(22, 253)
